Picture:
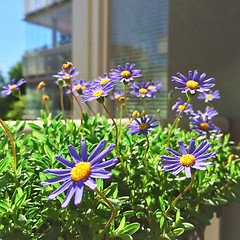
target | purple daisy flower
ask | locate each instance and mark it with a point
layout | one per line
(155, 86)
(185, 161)
(79, 86)
(144, 126)
(117, 95)
(209, 96)
(80, 172)
(125, 75)
(97, 91)
(180, 106)
(104, 80)
(65, 75)
(12, 87)
(203, 126)
(209, 113)
(194, 83)
(142, 90)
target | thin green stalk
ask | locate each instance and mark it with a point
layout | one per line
(176, 120)
(145, 156)
(113, 121)
(47, 107)
(110, 205)
(125, 101)
(62, 105)
(143, 105)
(88, 105)
(13, 146)
(120, 135)
(181, 194)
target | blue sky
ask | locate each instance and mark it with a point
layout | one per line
(12, 41)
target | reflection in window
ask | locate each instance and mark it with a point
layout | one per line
(139, 34)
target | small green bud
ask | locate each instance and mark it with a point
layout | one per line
(60, 82)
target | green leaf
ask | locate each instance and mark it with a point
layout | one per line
(131, 228)
(21, 200)
(162, 221)
(48, 152)
(4, 163)
(34, 126)
(21, 127)
(162, 204)
(178, 215)
(4, 206)
(121, 225)
(177, 231)
(188, 226)
(125, 237)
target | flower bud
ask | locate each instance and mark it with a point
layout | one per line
(45, 97)
(41, 85)
(67, 66)
(60, 82)
(135, 114)
(143, 113)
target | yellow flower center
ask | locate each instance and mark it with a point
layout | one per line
(66, 76)
(151, 87)
(117, 96)
(81, 171)
(142, 126)
(203, 116)
(14, 86)
(77, 87)
(209, 95)
(181, 107)
(204, 126)
(143, 90)
(83, 88)
(104, 81)
(126, 74)
(192, 84)
(97, 93)
(187, 160)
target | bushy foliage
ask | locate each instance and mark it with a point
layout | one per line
(140, 200)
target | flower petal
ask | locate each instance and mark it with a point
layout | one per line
(69, 195)
(58, 172)
(101, 174)
(64, 161)
(105, 164)
(177, 170)
(89, 182)
(78, 193)
(61, 189)
(76, 158)
(97, 150)
(102, 155)
(56, 179)
(188, 172)
(83, 150)
(182, 148)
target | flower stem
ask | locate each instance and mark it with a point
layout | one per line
(62, 106)
(88, 105)
(176, 120)
(78, 105)
(13, 146)
(47, 107)
(143, 105)
(112, 120)
(181, 194)
(110, 205)
(120, 135)
(145, 156)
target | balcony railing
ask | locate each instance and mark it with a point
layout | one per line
(31, 6)
(44, 61)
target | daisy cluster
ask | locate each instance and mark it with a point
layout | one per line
(200, 121)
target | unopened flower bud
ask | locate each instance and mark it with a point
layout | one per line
(41, 85)
(68, 81)
(60, 82)
(45, 97)
(67, 66)
(143, 113)
(122, 99)
(135, 114)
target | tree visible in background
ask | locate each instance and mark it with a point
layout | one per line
(8, 102)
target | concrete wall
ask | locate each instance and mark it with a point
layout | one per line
(205, 35)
